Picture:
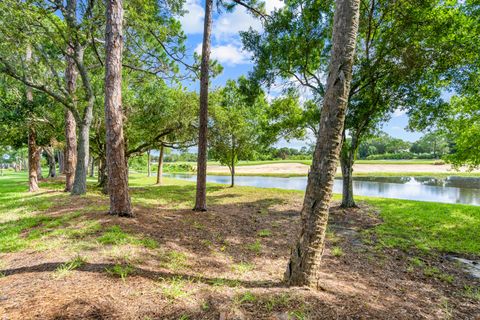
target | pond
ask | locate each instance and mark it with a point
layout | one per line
(451, 189)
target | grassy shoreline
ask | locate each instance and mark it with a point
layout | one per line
(355, 174)
(308, 162)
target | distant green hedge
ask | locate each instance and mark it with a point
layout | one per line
(400, 156)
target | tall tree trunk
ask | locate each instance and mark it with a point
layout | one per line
(149, 170)
(92, 167)
(347, 159)
(39, 164)
(102, 175)
(304, 265)
(160, 167)
(201, 195)
(83, 147)
(346, 162)
(33, 158)
(61, 163)
(70, 150)
(71, 75)
(232, 165)
(33, 149)
(116, 162)
(52, 170)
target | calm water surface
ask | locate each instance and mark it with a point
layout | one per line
(452, 189)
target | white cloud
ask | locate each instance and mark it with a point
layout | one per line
(231, 23)
(271, 5)
(227, 54)
(228, 23)
(398, 113)
(192, 21)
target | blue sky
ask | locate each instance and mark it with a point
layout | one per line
(227, 49)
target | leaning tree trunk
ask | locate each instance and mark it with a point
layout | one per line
(201, 196)
(116, 162)
(304, 265)
(70, 162)
(160, 167)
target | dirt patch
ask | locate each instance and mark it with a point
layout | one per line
(228, 263)
(298, 168)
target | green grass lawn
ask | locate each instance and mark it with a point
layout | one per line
(427, 226)
(424, 226)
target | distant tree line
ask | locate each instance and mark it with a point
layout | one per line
(432, 145)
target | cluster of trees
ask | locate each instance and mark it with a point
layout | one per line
(102, 84)
(61, 61)
(433, 145)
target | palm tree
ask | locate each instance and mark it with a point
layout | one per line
(304, 265)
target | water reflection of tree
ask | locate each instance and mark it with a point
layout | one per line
(400, 180)
(429, 181)
(451, 181)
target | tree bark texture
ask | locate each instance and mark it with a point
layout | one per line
(80, 182)
(52, 170)
(92, 166)
(347, 159)
(102, 175)
(116, 162)
(33, 149)
(160, 166)
(61, 161)
(304, 265)
(201, 194)
(71, 76)
(39, 165)
(70, 150)
(33, 158)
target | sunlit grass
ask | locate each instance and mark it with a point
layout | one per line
(427, 226)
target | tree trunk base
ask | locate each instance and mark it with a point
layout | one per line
(200, 209)
(349, 205)
(122, 214)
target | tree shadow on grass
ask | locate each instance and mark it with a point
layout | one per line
(143, 273)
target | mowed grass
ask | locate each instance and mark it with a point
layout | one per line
(425, 226)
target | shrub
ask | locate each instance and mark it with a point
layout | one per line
(179, 167)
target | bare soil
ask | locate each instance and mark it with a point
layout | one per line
(224, 275)
(298, 168)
